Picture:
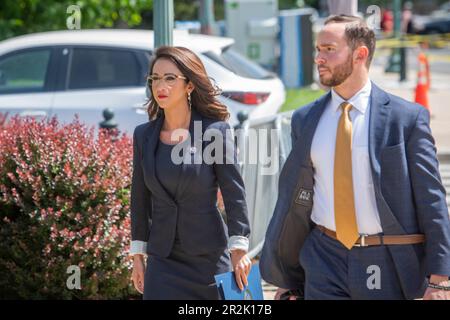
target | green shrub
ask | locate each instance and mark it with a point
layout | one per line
(64, 200)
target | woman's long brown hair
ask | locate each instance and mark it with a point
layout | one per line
(203, 97)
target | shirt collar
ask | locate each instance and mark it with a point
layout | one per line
(360, 100)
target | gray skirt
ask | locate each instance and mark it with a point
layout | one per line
(182, 276)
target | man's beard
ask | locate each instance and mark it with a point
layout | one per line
(339, 74)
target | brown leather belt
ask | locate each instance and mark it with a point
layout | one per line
(377, 240)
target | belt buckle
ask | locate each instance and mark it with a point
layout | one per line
(362, 243)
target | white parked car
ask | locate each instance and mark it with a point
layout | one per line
(82, 72)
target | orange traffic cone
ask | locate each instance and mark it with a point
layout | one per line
(423, 82)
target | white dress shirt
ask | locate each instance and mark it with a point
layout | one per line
(234, 243)
(322, 155)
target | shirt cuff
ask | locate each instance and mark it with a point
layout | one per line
(238, 242)
(138, 247)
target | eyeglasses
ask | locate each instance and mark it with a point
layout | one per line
(169, 79)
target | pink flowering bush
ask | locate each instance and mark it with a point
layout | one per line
(64, 200)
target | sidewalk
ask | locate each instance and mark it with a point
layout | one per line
(439, 95)
(268, 290)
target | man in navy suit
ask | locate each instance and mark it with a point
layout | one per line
(361, 210)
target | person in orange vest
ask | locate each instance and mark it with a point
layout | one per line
(423, 78)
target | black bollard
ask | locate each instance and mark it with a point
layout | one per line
(403, 66)
(109, 123)
(242, 116)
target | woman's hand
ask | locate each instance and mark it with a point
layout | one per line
(241, 267)
(138, 272)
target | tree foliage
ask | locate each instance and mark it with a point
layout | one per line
(27, 16)
(19, 17)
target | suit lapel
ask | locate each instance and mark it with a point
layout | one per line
(302, 148)
(149, 151)
(378, 125)
(379, 112)
(192, 154)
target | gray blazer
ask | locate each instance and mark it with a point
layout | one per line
(409, 194)
(156, 215)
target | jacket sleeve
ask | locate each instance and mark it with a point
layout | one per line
(233, 191)
(272, 265)
(141, 201)
(429, 196)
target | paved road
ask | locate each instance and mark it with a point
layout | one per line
(439, 94)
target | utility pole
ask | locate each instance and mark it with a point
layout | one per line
(397, 61)
(206, 16)
(163, 18)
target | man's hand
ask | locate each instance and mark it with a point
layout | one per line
(138, 272)
(241, 267)
(280, 291)
(435, 294)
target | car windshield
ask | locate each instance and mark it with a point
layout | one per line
(240, 65)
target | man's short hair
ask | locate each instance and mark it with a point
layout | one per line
(357, 33)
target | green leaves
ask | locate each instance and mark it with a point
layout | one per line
(28, 16)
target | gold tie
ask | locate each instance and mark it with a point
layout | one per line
(344, 203)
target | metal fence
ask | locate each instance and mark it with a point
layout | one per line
(262, 189)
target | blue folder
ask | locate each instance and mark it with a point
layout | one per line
(229, 290)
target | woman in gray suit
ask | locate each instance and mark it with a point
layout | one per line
(174, 217)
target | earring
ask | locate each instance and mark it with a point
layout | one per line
(189, 101)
